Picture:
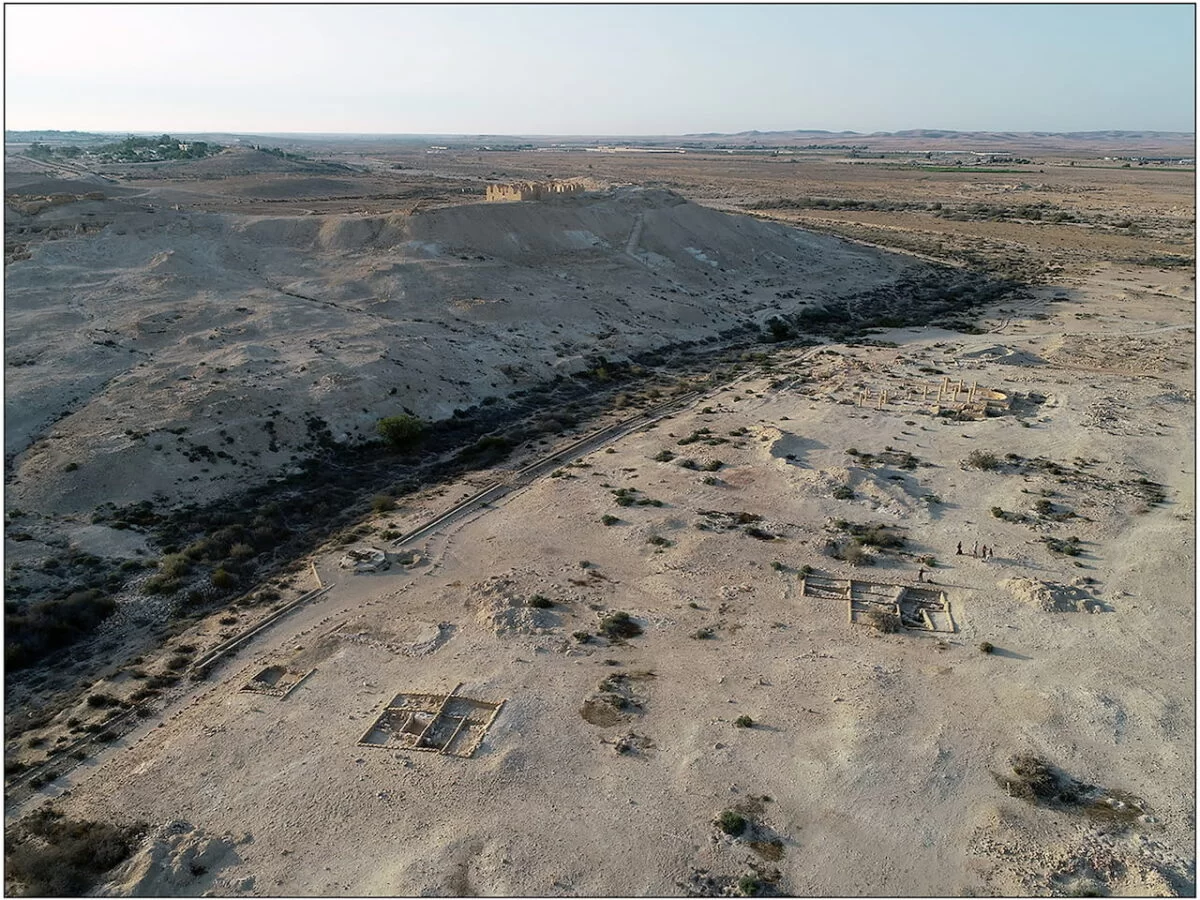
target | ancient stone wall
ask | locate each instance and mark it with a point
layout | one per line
(532, 190)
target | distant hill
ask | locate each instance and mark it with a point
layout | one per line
(1181, 143)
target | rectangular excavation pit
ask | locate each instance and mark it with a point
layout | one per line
(919, 608)
(276, 681)
(447, 724)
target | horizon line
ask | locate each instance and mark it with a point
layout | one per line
(615, 134)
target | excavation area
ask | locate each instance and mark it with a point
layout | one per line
(698, 639)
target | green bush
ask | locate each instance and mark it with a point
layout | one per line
(609, 519)
(50, 856)
(982, 459)
(619, 625)
(174, 565)
(382, 503)
(33, 631)
(402, 431)
(749, 885)
(731, 822)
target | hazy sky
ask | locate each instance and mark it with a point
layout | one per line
(654, 69)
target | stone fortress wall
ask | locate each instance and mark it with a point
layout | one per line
(532, 190)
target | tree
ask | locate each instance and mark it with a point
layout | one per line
(400, 431)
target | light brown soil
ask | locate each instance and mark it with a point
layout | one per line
(885, 757)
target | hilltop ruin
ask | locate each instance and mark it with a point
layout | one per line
(532, 190)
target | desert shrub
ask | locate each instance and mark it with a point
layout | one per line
(174, 565)
(749, 885)
(33, 631)
(241, 551)
(581, 636)
(382, 503)
(702, 634)
(755, 532)
(986, 647)
(401, 432)
(981, 459)
(854, 554)
(50, 856)
(609, 519)
(619, 625)
(102, 701)
(221, 578)
(877, 536)
(1068, 547)
(658, 541)
(1043, 507)
(488, 448)
(686, 463)
(843, 492)
(158, 584)
(537, 601)
(731, 822)
(712, 465)
(664, 456)
(1035, 778)
(998, 512)
(743, 722)
(806, 570)
(883, 620)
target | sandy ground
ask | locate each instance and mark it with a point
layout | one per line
(876, 761)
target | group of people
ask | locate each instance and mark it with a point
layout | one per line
(984, 552)
(987, 552)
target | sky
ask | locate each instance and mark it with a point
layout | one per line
(599, 69)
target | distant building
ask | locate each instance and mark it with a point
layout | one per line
(531, 190)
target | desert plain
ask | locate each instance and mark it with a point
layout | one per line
(682, 592)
